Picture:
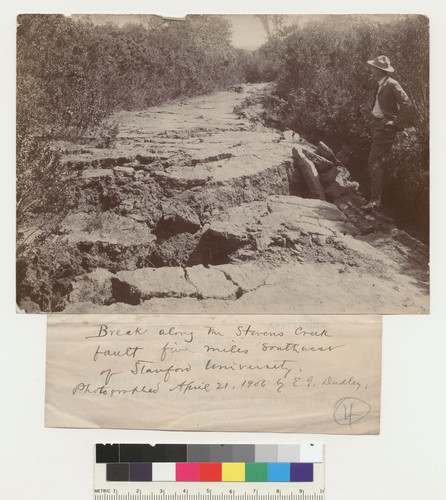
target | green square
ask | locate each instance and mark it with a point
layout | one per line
(256, 472)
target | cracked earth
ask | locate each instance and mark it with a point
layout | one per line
(200, 207)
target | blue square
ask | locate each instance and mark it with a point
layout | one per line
(279, 472)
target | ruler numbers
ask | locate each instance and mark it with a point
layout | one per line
(208, 495)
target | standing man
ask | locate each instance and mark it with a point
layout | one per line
(391, 111)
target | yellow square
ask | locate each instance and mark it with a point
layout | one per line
(232, 471)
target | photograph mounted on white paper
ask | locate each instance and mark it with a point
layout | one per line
(273, 164)
(311, 374)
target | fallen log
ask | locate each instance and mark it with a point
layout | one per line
(310, 174)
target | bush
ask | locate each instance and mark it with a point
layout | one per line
(45, 193)
(408, 183)
(325, 89)
(72, 74)
(45, 274)
(44, 186)
(265, 63)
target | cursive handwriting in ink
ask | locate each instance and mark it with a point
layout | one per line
(297, 348)
(192, 386)
(104, 390)
(105, 330)
(174, 332)
(300, 331)
(243, 331)
(233, 349)
(213, 331)
(129, 351)
(169, 348)
(108, 375)
(280, 364)
(342, 381)
(141, 368)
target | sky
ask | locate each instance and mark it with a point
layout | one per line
(247, 30)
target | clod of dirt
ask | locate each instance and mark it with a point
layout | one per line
(105, 227)
(177, 218)
(135, 286)
(92, 287)
(211, 283)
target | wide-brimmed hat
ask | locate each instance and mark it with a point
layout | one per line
(381, 62)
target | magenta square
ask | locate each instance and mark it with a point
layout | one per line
(187, 471)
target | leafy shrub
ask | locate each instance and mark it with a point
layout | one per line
(45, 193)
(45, 273)
(106, 134)
(264, 64)
(44, 185)
(324, 92)
(72, 74)
(408, 182)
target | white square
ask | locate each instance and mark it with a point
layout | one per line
(311, 452)
(100, 476)
(163, 471)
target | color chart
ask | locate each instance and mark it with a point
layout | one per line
(205, 472)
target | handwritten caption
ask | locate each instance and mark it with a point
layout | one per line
(177, 361)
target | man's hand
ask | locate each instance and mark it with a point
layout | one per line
(391, 125)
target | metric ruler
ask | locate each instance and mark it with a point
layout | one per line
(208, 491)
(209, 472)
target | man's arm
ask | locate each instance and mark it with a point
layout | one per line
(406, 109)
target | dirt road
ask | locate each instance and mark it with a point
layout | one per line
(199, 208)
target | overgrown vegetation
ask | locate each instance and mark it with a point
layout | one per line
(45, 193)
(72, 74)
(44, 188)
(266, 63)
(324, 92)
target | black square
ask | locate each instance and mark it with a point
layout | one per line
(139, 453)
(107, 453)
(157, 453)
(174, 452)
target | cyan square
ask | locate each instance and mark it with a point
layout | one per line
(278, 472)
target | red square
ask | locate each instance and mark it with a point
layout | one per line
(210, 472)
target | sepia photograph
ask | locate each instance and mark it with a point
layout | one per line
(254, 164)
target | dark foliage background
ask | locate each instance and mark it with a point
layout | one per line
(72, 74)
(324, 91)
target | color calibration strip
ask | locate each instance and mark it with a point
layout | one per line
(209, 463)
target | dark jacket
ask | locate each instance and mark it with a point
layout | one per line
(394, 103)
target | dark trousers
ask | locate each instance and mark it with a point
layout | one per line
(382, 139)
